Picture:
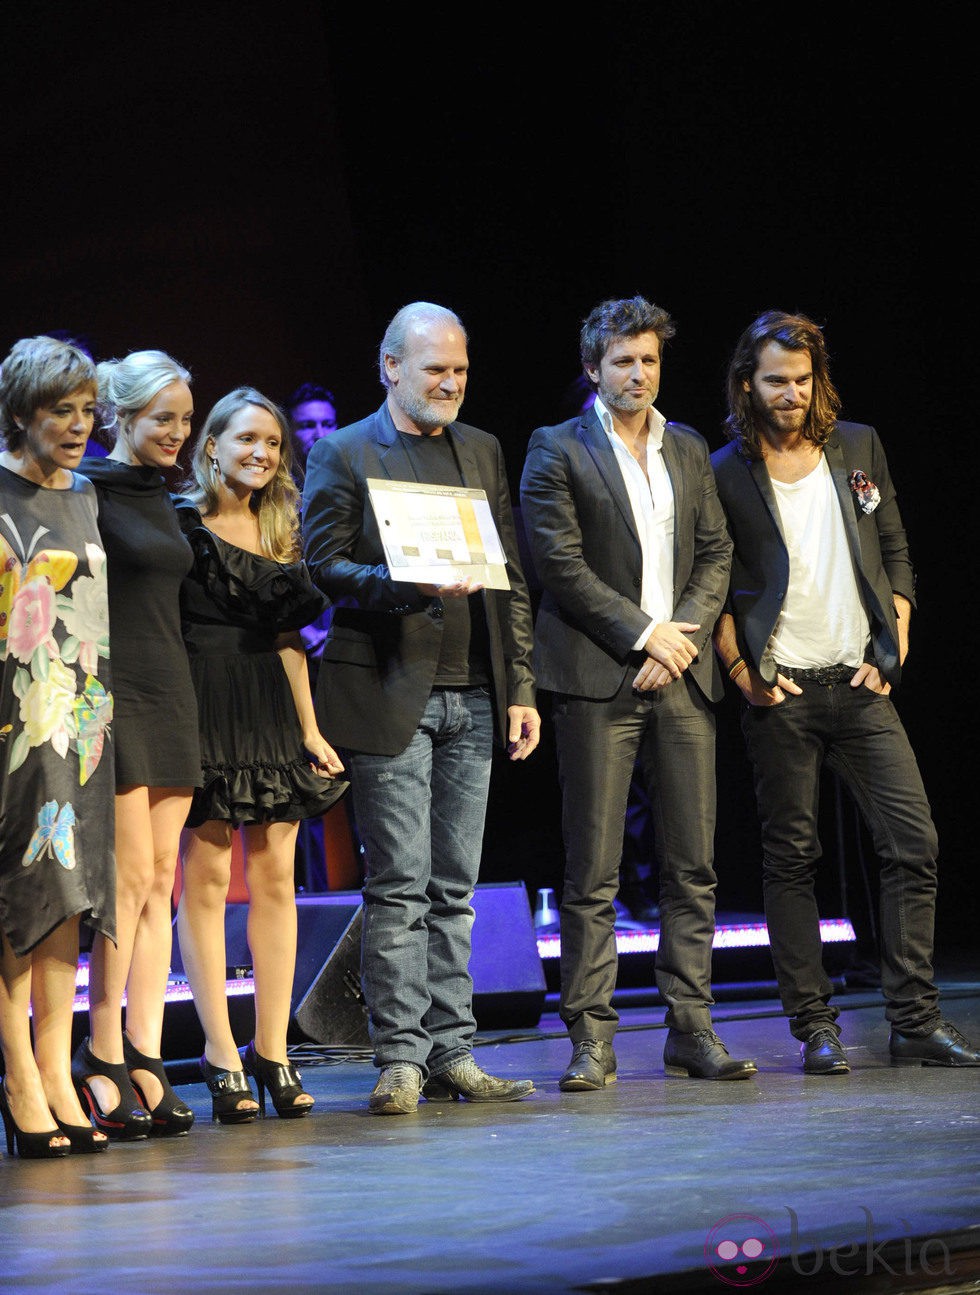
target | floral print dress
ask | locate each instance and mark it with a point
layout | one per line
(57, 779)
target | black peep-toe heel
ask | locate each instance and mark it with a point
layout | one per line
(85, 1141)
(283, 1082)
(227, 1089)
(171, 1117)
(124, 1123)
(29, 1146)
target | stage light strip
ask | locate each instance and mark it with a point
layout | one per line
(178, 991)
(747, 935)
(750, 935)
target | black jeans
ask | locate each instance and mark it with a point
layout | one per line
(858, 734)
(673, 733)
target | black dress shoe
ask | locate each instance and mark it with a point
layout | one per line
(702, 1055)
(593, 1065)
(945, 1046)
(823, 1053)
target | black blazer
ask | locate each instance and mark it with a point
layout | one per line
(586, 552)
(380, 657)
(760, 565)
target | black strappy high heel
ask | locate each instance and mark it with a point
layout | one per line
(171, 1117)
(283, 1082)
(85, 1140)
(125, 1122)
(29, 1146)
(227, 1089)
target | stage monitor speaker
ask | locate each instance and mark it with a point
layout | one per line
(508, 977)
(328, 1006)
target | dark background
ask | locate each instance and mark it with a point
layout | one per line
(256, 188)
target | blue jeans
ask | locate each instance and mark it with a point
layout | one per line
(420, 816)
(672, 732)
(858, 734)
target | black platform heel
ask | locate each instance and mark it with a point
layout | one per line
(29, 1146)
(126, 1122)
(227, 1089)
(171, 1117)
(85, 1141)
(283, 1082)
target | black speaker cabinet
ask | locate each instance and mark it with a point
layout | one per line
(328, 1007)
(508, 978)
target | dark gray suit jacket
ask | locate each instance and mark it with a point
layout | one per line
(380, 657)
(760, 565)
(586, 552)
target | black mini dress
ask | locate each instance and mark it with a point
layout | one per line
(234, 605)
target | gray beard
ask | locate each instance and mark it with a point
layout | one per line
(429, 415)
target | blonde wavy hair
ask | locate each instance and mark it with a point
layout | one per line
(276, 505)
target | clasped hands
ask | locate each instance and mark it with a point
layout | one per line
(669, 653)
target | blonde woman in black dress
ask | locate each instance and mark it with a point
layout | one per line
(56, 766)
(147, 410)
(265, 764)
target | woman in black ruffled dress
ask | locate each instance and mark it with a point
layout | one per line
(265, 764)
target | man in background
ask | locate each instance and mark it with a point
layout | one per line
(312, 412)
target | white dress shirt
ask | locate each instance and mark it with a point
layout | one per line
(652, 500)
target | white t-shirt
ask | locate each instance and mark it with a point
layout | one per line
(823, 620)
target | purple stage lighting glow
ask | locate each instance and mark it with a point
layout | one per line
(748, 935)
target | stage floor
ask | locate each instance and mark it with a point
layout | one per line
(868, 1180)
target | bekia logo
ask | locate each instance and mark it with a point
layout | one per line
(742, 1250)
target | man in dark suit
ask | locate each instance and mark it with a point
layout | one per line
(415, 680)
(814, 636)
(629, 543)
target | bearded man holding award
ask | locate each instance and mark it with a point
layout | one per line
(419, 676)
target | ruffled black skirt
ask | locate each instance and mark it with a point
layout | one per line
(254, 767)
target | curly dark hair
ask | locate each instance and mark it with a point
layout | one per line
(795, 333)
(626, 317)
